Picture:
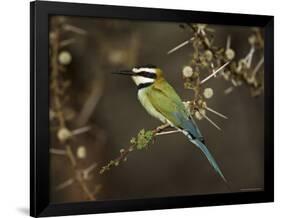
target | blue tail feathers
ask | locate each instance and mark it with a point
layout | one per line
(210, 158)
(190, 129)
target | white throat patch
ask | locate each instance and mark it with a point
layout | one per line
(141, 80)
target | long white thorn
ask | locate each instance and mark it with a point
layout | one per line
(214, 73)
(65, 184)
(217, 113)
(180, 46)
(249, 57)
(167, 132)
(228, 42)
(228, 90)
(57, 151)
(81, 130)
(212, 122)
(74, 29)
(258, 66)
(88, 170)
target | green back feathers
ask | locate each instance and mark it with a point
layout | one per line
(167, 102)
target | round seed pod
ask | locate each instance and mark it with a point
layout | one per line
(199, 114)
(208, 55)
(81, 152)
(63, 134)
(204, 104)
(208, 93)
(65, 58)
(52, 36)
(252, 39)
(229, 53)
(52, 114)
(116, 57)
(187, 72)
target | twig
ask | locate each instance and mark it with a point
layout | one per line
(198, 32)
(55, 72)
(71, 156)
(60, 116)
(92, 101)
(125, 151)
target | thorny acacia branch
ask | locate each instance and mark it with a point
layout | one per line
(64, 135)
(205, 57)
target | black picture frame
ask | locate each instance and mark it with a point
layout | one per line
(40, 204)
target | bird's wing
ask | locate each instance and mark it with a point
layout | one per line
(167, 102)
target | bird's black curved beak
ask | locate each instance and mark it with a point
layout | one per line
(125, 72)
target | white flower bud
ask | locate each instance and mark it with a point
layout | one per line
(208, 55)
(198, 115)
(229, 53)
(202, 111)
(187, 71)
(65, 57)
(52, 114)
(252, 39)
(52, 36)
(116, 57)
(81, 152)
(208, 93)
(63, 134)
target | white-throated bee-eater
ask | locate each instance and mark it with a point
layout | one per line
(161, 101)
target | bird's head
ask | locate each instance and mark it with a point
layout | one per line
(143, 76)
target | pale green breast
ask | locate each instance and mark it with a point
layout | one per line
(144, 100)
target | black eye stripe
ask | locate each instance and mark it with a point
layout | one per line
(147, 74)
(143, 85)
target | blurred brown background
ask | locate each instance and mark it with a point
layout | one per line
(172, 166)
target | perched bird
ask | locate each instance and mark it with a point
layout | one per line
(161, 101)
